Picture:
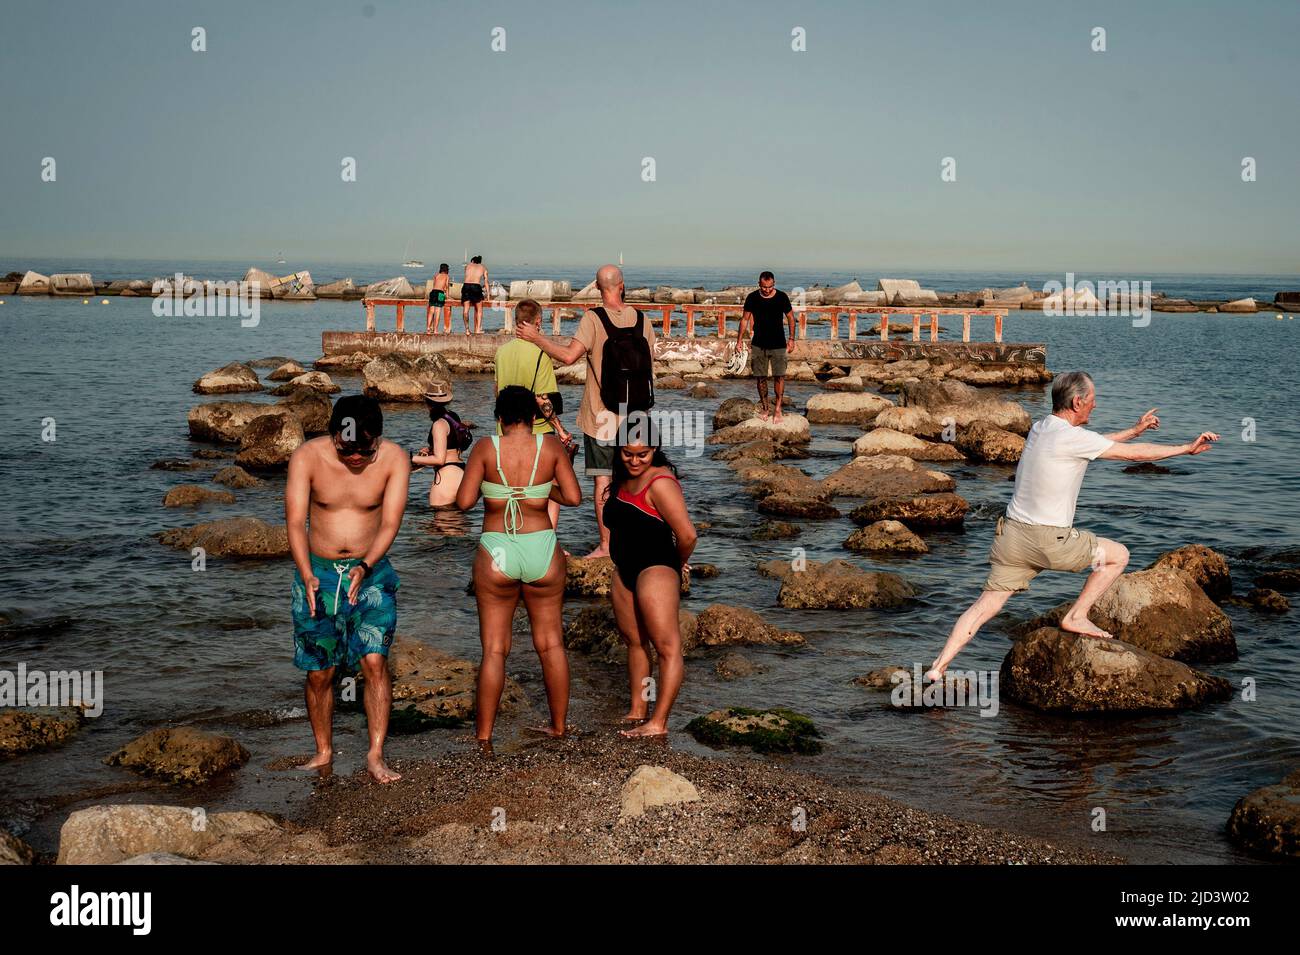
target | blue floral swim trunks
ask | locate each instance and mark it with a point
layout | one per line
(341, 633)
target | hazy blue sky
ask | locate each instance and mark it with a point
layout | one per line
(1066, 158)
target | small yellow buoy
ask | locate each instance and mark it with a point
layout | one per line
(103, 301)
(85, 301)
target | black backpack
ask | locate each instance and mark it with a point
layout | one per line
(627, 381)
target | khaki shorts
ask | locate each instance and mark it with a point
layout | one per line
(1020, 551)
(767, 362)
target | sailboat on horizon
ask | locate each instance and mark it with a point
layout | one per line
(410, 263)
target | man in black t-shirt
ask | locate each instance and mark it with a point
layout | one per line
(769, 311)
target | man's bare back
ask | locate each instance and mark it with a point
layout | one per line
(476, 272)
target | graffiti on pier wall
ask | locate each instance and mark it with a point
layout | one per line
(704, 350)
(904, 350)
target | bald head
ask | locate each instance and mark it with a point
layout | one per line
(609, 278)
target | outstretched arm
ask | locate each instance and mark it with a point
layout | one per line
(1158, 452)
(1147, 421)
(564, 354)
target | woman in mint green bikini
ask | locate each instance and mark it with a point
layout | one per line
(518, 553)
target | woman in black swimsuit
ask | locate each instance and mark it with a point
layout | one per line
(448, 439)
(650, 539)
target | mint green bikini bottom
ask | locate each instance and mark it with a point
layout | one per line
(523, 557)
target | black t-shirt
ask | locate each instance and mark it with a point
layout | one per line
(769, 318)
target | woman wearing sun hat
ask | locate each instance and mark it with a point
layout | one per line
(449, 437)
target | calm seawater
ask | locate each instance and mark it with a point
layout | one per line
(89, 587)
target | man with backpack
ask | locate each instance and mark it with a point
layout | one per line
(618, 343)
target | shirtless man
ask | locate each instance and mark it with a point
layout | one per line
(352, 486)
(1037, 532)
(438, 307)
(473, 291)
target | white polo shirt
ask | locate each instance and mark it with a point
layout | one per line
(1051, 471)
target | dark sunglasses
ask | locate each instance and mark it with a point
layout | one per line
(350, 449)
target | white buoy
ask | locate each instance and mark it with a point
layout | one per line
(85, 301)
(103, 301)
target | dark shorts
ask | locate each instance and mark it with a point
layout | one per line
(471, 293)
(340, 633)
(437, 297)
(768, 362)
(598, 457)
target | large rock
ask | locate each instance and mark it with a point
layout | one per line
(722, 625)
(104, 835)
(791, 429)
(224, 421)
(194, 495)
(228, 379)
(990, 374)
(840, 585)
(25, 730)
(1286, 580)
(888, 441)
(1205, 566)
(1055, 671)
(653, 786)
(964, 405)
(986, 442)
(437, 684)
(245, 537)
(909, 420)
(286, 372)
(316, 381)
(807, 507)
(72, 283)
(765, 731)
(846, 408)
(346, 364)
(1161, 610)
(13, 851)
(1241, 305)
(269, 441)
(885, 475)
(236, 477)
(886, 537)
(311, 408)
(918, 512)
(181, 754)
(593, 577)
(1268, 820)
(594, 631)
(398, 378)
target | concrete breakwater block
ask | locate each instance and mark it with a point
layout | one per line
(34, 283)
(72, 283)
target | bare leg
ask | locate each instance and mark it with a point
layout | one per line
(658, 592)
(1108, 563)
(762, 397)
(430, 326)
(466, 309)
(984, 609)
(638, 645)
(497, 596)
(446, 319)
(544, 599)
(600, 486)
(778, 385)
(478, 318)
(379, 703)
(320, 710)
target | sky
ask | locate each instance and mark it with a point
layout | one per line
(1065, 158)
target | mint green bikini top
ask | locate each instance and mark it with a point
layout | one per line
(513, 495)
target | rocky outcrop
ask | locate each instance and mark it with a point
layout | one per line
(886, 537)
(989, 374)
(846, 408)
(437, 684)
(398, 378)
(838, 585)
(316, 381)
(703, 390)
(885, 678)
(1205, 566)
(594, 631)
(776, 531)
(1286, 580)
(1268, 820)
(1161, 610)
(722, 625)
(13, 851)
(269, 441)
(1269, 601)
(104, 835)
(27, 730)
(194, 495)
(242, 537)
(918, 512)
(1059, 672)
(848, 383)
(885, 475)
(986, 442)
(764, 731)
(887, 441)
(225, 421)
(910, 420)
(287, 371)
(228, 379)
(653, 786)
(791, 429)
(965, 405)
(347, 364)
(181, 754)
(236, 477)
(734, 665)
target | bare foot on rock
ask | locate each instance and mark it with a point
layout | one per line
(379, 770)
(1084, 627)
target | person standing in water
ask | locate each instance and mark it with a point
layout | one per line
(439, 310)
(472, 292)
(351, 486)
(449, 438)
(769, 311)
(1037, 532)
(651, 538)
(517, 473)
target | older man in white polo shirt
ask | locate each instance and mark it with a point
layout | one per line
(1038, 531)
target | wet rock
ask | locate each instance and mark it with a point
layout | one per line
(1268, 820)
(1007, 376)
(986, 442)
(910, 420)
(888, 441)
(24, 730)
(223, 421)
(965, 405)
(703, 390)
(670, 383)
(1161, 610)
(764, 479)
(316, 381)
(762, 451)
(791, 429)
(704, 571)
(311, 408)
(180, 754)
(1148, 467)
(272, 361)
(653, 786)
(764, 731)
(840, 585)
(1060, 672)
(228, 379)
(343, 363)
(269, 441)
(175, 464)
(236, 477)
(1287, 581)
(735, 666)
(103, 835)
(594, 631)
(245, 537)
(1267, 600)
(888, 537)
(884, 677)
(722, 625)
(194, 495)
(885, 475)
(849, 383)
(918, 512)
(287, 371)
(846, 408)
(1205, 566)
(437, 684)
(13, 851)
(808, 507)
(211, 454)
(776, 531)
(588, 577)
(398, 378)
